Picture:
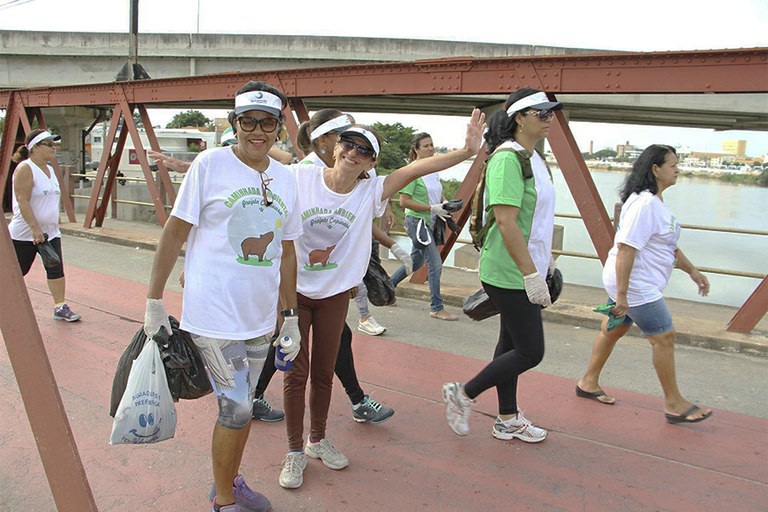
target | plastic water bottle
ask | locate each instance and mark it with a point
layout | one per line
(280, 362)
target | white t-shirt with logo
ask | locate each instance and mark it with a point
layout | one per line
(44, 201)
(232, 264)
(335, 246)
(647, 225)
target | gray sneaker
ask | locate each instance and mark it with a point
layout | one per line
(519, 428)
(64, 313)
(458, 408)
(264, 412)
(369, 410)
(292, 474)
(326, 452)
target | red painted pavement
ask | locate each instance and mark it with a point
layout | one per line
(596, 458)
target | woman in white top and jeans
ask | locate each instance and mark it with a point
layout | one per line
(636, 272)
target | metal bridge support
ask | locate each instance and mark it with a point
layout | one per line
(750, 313)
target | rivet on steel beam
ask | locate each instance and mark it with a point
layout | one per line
(748, 59)
(706, 86)
(608, 73)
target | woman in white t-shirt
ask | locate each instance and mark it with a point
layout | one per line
(337, 207)
(636, 272)
(237, 211)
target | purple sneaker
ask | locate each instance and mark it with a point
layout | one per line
(64, 313)
(227, 508)
(248, 499)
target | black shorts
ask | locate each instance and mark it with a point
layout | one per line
(27, 251)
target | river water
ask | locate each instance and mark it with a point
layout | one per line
(694, 201)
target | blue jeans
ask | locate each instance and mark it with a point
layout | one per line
(420, 254)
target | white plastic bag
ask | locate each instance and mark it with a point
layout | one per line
(146, 413)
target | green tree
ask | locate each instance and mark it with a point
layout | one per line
(137, 120)
(2, 123)
(763, 179)
(190, 118)
(396, 140)
(605, 153)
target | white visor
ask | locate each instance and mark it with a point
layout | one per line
(258, 100)
(337, 123)
(370, 137)
(537, 100)
(41, 137)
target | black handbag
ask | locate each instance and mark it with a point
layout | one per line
(381, 291)
(184, 369)
(48, 253)
(478, 306)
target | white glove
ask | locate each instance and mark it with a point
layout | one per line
(537, 290)
(438, 210)
(155, 318)
(403, 257)
(290, 329)
(552, 266)
(210, 351)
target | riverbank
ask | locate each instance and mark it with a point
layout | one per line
(707, 173)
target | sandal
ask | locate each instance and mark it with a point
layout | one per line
(595, 395)
(683, 418)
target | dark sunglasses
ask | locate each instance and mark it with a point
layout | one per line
(265, 188)
(543, 114)
(267, 125)
(48, 143)
(363, 151)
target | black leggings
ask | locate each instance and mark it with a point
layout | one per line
(520, 347)
(345, 369)
(26, 252)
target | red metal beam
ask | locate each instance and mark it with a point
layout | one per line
(750, 313)
(39, 391)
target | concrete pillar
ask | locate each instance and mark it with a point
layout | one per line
(69, 122)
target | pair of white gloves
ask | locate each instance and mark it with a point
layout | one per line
(439, 211)
(536, 286)
(156, 318)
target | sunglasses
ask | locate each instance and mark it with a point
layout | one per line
(265, 188)
(267, 125)
(48, 143)
(543, 114)
(363, 151)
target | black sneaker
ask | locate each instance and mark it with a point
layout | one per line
(369, 410)
(264, 412)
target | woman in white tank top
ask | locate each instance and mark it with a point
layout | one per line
(36, 196)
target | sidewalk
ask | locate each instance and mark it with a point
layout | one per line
(622, 458)
(698, 324)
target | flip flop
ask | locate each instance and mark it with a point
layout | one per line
(593, 395)
(683, 418)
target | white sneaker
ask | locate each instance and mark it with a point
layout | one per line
(325, 451)
(458, 408)
(292, 474)
(370, 327)
(519, 428)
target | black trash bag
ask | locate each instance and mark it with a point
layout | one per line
(184, 368)
(381, 291)
(555, 284)
(478, 306)
(453, 205)
(438, 233)
(48, 253)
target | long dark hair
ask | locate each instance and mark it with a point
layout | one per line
(641, 176)
(303, 139)
(415, 141)
(501, 126)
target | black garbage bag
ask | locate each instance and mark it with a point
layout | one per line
(381, 291)
(478, 306)
(555, 284)
(184, 369)
(48, 253)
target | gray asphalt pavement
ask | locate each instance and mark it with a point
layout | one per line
(734, 382)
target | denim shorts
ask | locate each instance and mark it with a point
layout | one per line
(652, 318)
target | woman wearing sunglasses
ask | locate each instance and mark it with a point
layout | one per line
(237, 211)
(35, 201)
(514, 260)
(337, 207)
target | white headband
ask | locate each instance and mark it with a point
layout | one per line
(528, 101)
(370, 137)
(258, 100)
(343, 121)
(41, 137)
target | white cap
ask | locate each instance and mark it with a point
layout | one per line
(538, 100)
(258, 100)
(40, 137)
(337, 123)
(362, 132)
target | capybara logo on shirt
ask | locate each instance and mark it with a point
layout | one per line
(320, 256)
(256, 246)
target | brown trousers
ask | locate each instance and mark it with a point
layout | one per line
(326, 318)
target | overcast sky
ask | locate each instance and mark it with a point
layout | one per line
(649, 25)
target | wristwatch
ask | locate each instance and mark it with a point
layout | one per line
(289, 312)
